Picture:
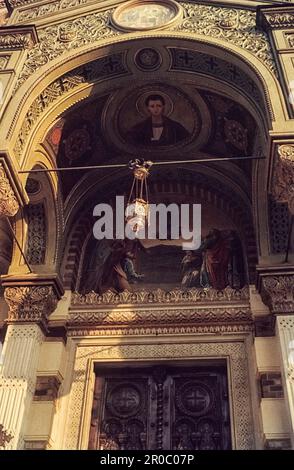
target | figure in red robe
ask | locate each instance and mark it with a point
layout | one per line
(216, 257)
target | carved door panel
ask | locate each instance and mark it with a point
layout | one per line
(161, 408)
(200, 412)
(122, 420)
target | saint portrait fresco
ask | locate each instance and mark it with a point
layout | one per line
(157, 129)
(153, 117)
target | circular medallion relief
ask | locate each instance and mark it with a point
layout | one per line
(124, 400)
(194, 398)
(139, 15)
(148, 59)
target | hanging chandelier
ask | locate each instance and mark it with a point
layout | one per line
(137, 209)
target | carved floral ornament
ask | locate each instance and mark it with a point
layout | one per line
(177, 307)
(51, 7)
(8, 202)
(277, 19)
(237, 27)
(18, 37)
(30, 303)
(277, 291)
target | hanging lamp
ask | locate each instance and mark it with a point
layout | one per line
(137, 209)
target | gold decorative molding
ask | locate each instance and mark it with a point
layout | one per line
(236, 26)
(18, 37)
(5, 437)
(232, 25)
(78, 32)
(8, 202)
(159, 296)
(277, 290)
(283, 176)
(41, 9)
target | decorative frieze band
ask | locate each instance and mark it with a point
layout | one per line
(151, 330)
(161, 316)
(178, 296)
(18, 37)
(8, 202)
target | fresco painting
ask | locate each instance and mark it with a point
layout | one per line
(132, 265)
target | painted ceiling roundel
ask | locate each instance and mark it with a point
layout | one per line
(137, 15)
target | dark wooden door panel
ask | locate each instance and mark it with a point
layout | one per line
(161, 408)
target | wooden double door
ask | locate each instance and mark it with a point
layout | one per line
(162, 408)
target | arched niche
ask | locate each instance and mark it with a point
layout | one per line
(39, 106)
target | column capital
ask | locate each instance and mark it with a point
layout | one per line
(276, 287)
(282, 186)
(31, 298)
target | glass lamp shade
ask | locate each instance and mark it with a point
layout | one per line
(137, 214)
